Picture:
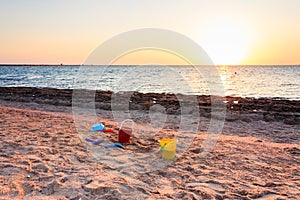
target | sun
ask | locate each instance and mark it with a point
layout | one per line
(225, 42)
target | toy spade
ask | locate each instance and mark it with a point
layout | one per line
(95, 142)
(113, 145)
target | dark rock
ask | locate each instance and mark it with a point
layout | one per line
(269, 117)
(272, 109)
(297, 120)
(290, 121)
(232, 117)
(246, 119)
(50, 188)
(40, 167)
(293, 151)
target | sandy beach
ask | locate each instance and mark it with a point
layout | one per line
(42, 156)
(150, 100)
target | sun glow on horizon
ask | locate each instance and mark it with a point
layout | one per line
(226, 42)
(150, 56)
(229, 31)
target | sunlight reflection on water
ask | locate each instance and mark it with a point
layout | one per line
(250, 81)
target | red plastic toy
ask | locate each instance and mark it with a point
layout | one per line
(125, 132)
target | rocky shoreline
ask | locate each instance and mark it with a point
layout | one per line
(238, 108)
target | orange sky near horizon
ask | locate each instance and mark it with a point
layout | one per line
(232, 32)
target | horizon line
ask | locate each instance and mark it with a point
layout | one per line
(61, 64)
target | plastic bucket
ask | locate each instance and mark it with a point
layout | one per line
(125, 132)
(169, 148)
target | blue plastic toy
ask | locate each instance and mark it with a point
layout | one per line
(95, 142)
(113, 145)
(98, 127)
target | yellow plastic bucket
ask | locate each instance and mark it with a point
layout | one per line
(168, 146)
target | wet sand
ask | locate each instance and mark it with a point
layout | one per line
(42, 155)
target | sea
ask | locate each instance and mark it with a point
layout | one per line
(282, 82)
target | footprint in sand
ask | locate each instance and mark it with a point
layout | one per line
(270, 197)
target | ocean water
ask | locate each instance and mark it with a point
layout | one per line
(245, 81)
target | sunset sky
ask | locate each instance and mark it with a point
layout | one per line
(230, 31)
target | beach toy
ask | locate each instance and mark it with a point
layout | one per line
(113, 145)
(125, 132)
(168, 148)
(109, 130)
(98, 127)
(95, 142)
(162, 147)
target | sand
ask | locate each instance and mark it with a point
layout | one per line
(43, 155)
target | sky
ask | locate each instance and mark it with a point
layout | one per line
(232, 32)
